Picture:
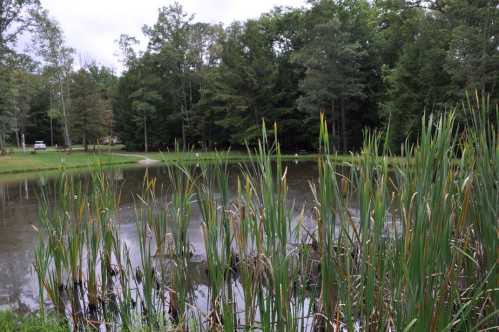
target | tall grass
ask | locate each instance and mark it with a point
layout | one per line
(409, 246)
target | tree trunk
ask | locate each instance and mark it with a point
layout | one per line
(23, 141)
(183, 103)
(68, 110)
(188, 124)
(67, 139)
(2, 145)
(18, 141)
(85, 143)
(85, 130)
(51, 118)
(333, 128)
(184, 136)
(111, 143)
(343, 126)
(146, 148)
(51, 132)
(209, 139)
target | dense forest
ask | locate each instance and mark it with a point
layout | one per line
(365, 64)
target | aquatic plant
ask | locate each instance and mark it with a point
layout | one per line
(405, 246)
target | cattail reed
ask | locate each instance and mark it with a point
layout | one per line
(404, 243)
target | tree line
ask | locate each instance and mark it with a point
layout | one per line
(364, 64)
(43, 95)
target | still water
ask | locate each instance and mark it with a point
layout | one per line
(19, 206)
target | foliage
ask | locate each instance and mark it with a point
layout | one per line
(91, 110)
(15, 18)
(410, 246)
(366, 64)
(342, 71)
(58, 58)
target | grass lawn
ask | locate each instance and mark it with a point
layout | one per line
(19, 162)
(50, 160)
(76, 147)
(207, 156)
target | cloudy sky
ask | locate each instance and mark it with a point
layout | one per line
(92, 26)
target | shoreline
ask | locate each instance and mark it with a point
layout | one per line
(27, 163)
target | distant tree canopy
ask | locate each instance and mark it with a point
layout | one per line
(364, 64)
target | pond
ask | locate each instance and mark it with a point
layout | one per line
(19, 208)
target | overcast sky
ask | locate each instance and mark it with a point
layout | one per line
(92, 26)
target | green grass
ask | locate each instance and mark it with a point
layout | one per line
(231, 156)
(19, 162)
(76, 147)
(14, 322)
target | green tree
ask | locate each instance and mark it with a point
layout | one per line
(15, 18)
(106, 82)
(238, 94)
(135, 105)
(25, 85)
(7, 96)
(144, 101)
(418, 82)
(162, 87)
(472, 59)
(88, 108)
(58, 59)
(128, 55)
(363, 63)
(338, 59)
(440, 52)
(170, 37)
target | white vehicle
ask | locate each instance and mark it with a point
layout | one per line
(40, 145)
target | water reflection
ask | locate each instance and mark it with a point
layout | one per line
(19, 204)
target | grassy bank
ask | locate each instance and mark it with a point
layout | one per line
(75, 147)
(232, 156)
(14, 322)
(19, 162)
(417, 254)
(42, 162)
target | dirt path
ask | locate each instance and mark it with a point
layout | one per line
(144, 159)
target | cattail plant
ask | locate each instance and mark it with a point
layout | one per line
(396, 244)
